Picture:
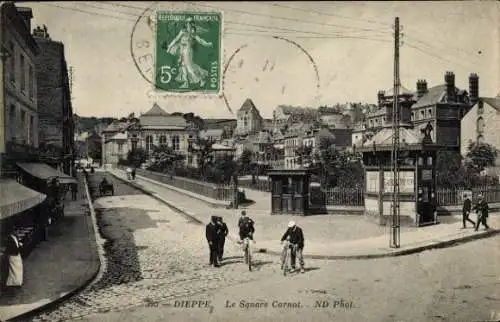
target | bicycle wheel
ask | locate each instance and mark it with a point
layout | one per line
(249, 259)
(285, 263)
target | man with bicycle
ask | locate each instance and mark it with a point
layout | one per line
(296, 237)
(246, 227)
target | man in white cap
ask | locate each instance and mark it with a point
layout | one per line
(296, 237)
(482, 212)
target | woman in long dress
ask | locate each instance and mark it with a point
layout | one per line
(15, 262)
(183, 47)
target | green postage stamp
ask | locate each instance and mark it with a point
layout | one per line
(188, 52)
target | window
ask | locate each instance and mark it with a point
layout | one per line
(422, 114)
(163, 140)
(31, 134)
(176, 143)
(430, 112)
(480, 108)
(23, 73)
(480, 139)
(12, 69)
(13, 122)
(412, 116)
(480, 125)
(31, 82)
(245, 121)
(149, 143)
(23, 127)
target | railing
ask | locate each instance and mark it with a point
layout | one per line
(329, 197)
(210, 190)
(454, 197)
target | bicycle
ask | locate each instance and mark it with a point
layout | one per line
(248, 252)
(287, 249)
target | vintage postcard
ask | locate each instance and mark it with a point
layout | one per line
(250, 161)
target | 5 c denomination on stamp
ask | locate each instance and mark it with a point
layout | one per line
(188, 52)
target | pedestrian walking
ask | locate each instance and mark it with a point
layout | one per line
(133, 173)
(74, 190)
(129, 173)
(466, 209)
(482, 209)
(213, 240)
(296, 237)
(223, 231)
(15, 262)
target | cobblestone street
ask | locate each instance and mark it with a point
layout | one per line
(153, 255)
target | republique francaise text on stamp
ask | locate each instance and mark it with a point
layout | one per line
(188, 52)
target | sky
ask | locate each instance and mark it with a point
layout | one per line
(350, 44)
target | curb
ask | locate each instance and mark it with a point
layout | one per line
(179, 190)
(154, 195)
(96, 276)
(409, 251)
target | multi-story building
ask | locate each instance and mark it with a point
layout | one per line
(19, 108)
(443, 106)
(480, 124)
(55, 113)
(114, 142)
(248, 120)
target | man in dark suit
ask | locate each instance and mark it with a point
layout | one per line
(482, 210)
(296, 237)
(222, 232)
(211, 234)
(467, 207)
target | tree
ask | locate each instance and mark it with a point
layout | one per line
(481, 156)
(202, 148)
(245, 161)
(95, 150)
(304, 155)
(223, 169)
(136, 157)
(165, 158)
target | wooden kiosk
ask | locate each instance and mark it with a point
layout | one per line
(289, 191)
(417, 177)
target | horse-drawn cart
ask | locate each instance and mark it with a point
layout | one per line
(105, 187)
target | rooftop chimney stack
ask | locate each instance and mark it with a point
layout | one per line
(421, 87)
(380, 97)
(449, 79)
(26, 14)
(473, 88)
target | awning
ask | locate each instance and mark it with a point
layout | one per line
(15, 198)
(45, 172)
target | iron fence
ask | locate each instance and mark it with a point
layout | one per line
(337, 196)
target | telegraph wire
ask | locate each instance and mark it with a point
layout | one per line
(331, 14)
(323, 24)
(229, 22)
(84, 11)
(434, 55)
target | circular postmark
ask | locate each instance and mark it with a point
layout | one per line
(178, 49)
(276, 68)
(144, 48)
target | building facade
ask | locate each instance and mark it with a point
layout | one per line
(56, 128)
(248, 119)
(480, 124)
(19, 120)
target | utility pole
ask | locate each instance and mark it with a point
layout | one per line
(395, 228)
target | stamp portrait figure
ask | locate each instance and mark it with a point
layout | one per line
(188, 52)
(183, 46)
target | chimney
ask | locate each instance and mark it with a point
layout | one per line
(380, 97)
(40, 32)
(473, 88)
(449, 79)
(26, 14)
(421, 87)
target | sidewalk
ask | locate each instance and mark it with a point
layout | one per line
(327, 236)
(60, 266)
